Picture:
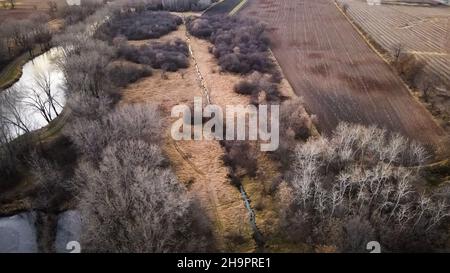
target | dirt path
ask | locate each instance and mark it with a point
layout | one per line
(198, 164)
(340, 78)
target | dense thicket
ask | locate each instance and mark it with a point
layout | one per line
(241, 158)
(241, 46)
(257, 83)
(124, 73)
(18, 36)
(168, 56)
(76, 13)
(357, 186)
(91, 65)
(129, 199)
(139, 25)
(296, 126)
(185, 5)
(170, 5)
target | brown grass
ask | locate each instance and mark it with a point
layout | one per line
(198, 164)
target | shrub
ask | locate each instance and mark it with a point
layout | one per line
(241, 46)
(124, 73)
(131, 122)
(256, 83)
(139, 25)
(77, 13)
(169, 56)
(245, 87)
(185, 5)
(410, 68)
(241, 158)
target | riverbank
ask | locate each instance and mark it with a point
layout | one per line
(17, 198)
(11, 73)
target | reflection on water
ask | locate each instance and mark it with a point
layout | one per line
(28, 92)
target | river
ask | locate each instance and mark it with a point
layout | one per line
(23, 96)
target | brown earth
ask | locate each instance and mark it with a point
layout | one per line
(338, 75)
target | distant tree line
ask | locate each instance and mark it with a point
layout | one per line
(170, 5)
(139, 25)
(19, 36)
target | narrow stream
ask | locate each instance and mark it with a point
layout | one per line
(257, 235)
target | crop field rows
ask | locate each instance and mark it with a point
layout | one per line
(424, 31)
(340, 78)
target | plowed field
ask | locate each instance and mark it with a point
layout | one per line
(339, 76)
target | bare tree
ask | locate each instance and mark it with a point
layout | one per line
(43, 98)
(11, 113)
(49, 181)
(84, 63)
(427, 85)
(7, 151)
(128, 204)
(128, 122)
(364, 173)
(397, 51)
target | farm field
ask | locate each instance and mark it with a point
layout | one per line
(422, 31)
(340, 78)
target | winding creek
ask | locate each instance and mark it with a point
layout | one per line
(27, 90)
(18, 232)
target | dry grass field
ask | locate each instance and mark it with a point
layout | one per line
(198, 164)
(339, 76)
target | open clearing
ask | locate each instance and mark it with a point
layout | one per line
(198, 164)
(340, 78)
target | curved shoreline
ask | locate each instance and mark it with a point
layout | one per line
(16, 69)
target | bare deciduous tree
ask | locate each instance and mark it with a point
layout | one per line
(127, 122)
(43, 98)
(129, 205)
(362, 173)
(49, 181)
(11, 113)
(397, 50)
